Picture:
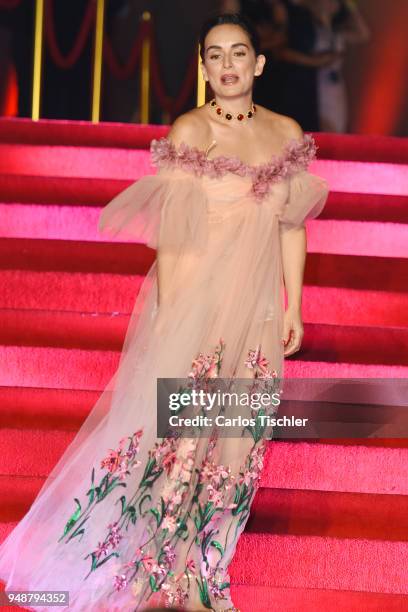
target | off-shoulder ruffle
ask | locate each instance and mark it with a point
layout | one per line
(296, 156)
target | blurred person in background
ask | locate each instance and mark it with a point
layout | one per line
(317, 33)
(305, 42)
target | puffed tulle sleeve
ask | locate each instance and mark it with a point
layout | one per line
(307, 197)
(166, 210)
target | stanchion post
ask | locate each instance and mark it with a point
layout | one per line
(200, 81)
(38, 57)
(97, 61)
(145, 71)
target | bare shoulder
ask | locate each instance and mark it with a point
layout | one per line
(189, 128)
(280, 126)
(290, 127)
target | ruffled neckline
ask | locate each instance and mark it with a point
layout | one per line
(296, 155)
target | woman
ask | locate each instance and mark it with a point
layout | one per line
(339, 23)
(317, 33)
(127, 519)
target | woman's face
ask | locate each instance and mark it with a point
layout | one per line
(230, 64)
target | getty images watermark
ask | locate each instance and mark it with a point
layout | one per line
(261, 406)
(284, 408)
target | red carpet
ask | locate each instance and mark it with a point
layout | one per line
(329, 526)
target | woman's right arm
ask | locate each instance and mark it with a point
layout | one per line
(183, 130)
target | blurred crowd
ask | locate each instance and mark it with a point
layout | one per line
(304, 41)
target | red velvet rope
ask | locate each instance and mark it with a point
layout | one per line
(72, 57)
(119, 70)
(170, 105)
(125, 71)
(187, 87)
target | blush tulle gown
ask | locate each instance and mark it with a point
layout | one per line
(126, 520)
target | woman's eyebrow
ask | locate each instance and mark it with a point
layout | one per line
(234, 45)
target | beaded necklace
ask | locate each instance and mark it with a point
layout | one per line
(229, 116)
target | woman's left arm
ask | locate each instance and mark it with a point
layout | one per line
(306, 199)
(293, 248)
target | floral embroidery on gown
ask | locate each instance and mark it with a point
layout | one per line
(127, 520)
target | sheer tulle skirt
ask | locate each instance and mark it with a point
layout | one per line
(124, 516)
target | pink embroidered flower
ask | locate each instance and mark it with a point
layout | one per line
(169, 553)
(168, 461)
(112, 461)
(119, 582)
(175, 597)
(301, 153)
(114, 536)
(256, 359)
(161, 448)
(118, 461)
(162, 152)
(174, 501)
(169, 522)
(215, 496)
(203, 365)
(102, 549)
(148, 563)
(191, 566)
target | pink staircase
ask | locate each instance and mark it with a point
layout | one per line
(329, 525)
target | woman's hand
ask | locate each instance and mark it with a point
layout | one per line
(292, 331)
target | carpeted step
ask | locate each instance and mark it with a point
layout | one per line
(274, 511)
(374, 239)
(371, 147)
(320, 563)
(104, 331)
(105, 292)
(130, 164)
(75, 291)
(83, 330)
(78, 132)
(289, 465)
(36, 408)
(335, 306)
(74, 161)
(274, 599)
(87, 369)
(73, 192)
(335, 467)
(68, 191)
(382, 208)
(326, 236)
(75, 256)
(329, 513)
(56, 367)
(372, 273)
(295, 368)
(48, 409)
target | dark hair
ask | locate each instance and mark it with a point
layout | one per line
(234, 19)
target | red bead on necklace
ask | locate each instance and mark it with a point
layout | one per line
(229, 116)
